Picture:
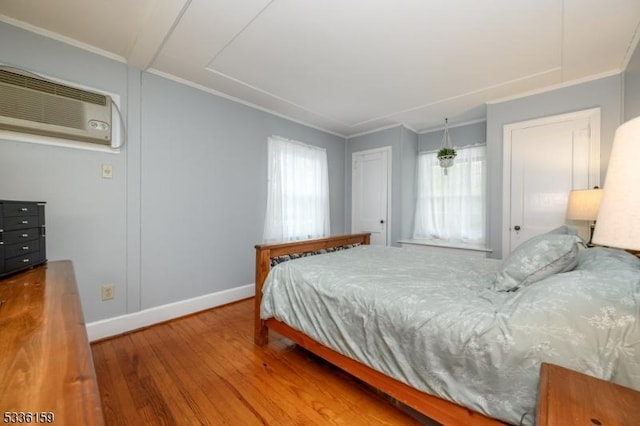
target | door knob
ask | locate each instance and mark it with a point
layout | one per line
(517, 227)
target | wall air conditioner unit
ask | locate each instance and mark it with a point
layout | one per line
(29, 104)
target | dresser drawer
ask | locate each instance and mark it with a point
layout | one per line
(20, 209)
(20, 222)
(21, 235)
(24, 261)
(19, 249)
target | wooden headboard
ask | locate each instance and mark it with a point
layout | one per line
(266, 252)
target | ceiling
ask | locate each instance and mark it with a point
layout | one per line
(352, 66)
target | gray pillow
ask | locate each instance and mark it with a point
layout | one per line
(606, 259)
(536, 259)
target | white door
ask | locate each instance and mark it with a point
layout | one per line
(548, 159)
(370, 193)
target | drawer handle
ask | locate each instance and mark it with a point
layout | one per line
(25, 235)
(24, 209)
(25, 222)
(25, 260)
(25, 247)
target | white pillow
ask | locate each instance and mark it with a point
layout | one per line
(536, 259)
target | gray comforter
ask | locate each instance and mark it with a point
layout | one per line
(435, 323)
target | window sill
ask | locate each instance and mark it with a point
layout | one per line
(445, 244)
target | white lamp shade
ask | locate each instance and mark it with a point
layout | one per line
(584, 204)
(618, 223)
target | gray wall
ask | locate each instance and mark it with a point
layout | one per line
(186, 204)
(86, 215)
(632, 86)
(404, 144)
(604, 93)
(204, 180)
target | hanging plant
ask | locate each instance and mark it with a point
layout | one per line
(446, 156)
(447, 153)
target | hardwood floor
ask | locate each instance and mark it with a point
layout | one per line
(205, 370)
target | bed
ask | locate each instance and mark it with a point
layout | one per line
(458, 339)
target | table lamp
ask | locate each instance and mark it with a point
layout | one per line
(583, 205)
(618, 222)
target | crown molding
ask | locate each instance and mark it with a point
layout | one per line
(61, 38)
(555, 87)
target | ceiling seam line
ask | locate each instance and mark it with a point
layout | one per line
(168, 34)
(243, 101)
(242, 30)
(462, 95)
(633, 43)
(257, 89)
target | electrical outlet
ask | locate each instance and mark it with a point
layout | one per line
(107, 291)
(107, 171)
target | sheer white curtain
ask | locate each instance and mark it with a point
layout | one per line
(452, 207)
(298, 191)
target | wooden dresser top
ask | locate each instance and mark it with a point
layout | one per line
(45, 358)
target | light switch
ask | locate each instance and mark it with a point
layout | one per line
(107, 171)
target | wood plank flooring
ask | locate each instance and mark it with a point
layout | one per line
(205, 370)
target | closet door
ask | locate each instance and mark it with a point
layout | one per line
(370, 190)
(548, 158)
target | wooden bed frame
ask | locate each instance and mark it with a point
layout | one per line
(435, 408)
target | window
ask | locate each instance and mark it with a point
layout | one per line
(297, 193)
(452, 207)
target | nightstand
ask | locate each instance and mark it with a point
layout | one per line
(567, 398)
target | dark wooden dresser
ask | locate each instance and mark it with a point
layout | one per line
(22, 235)
(46, 368)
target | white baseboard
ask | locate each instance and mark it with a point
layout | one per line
(117, 325)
